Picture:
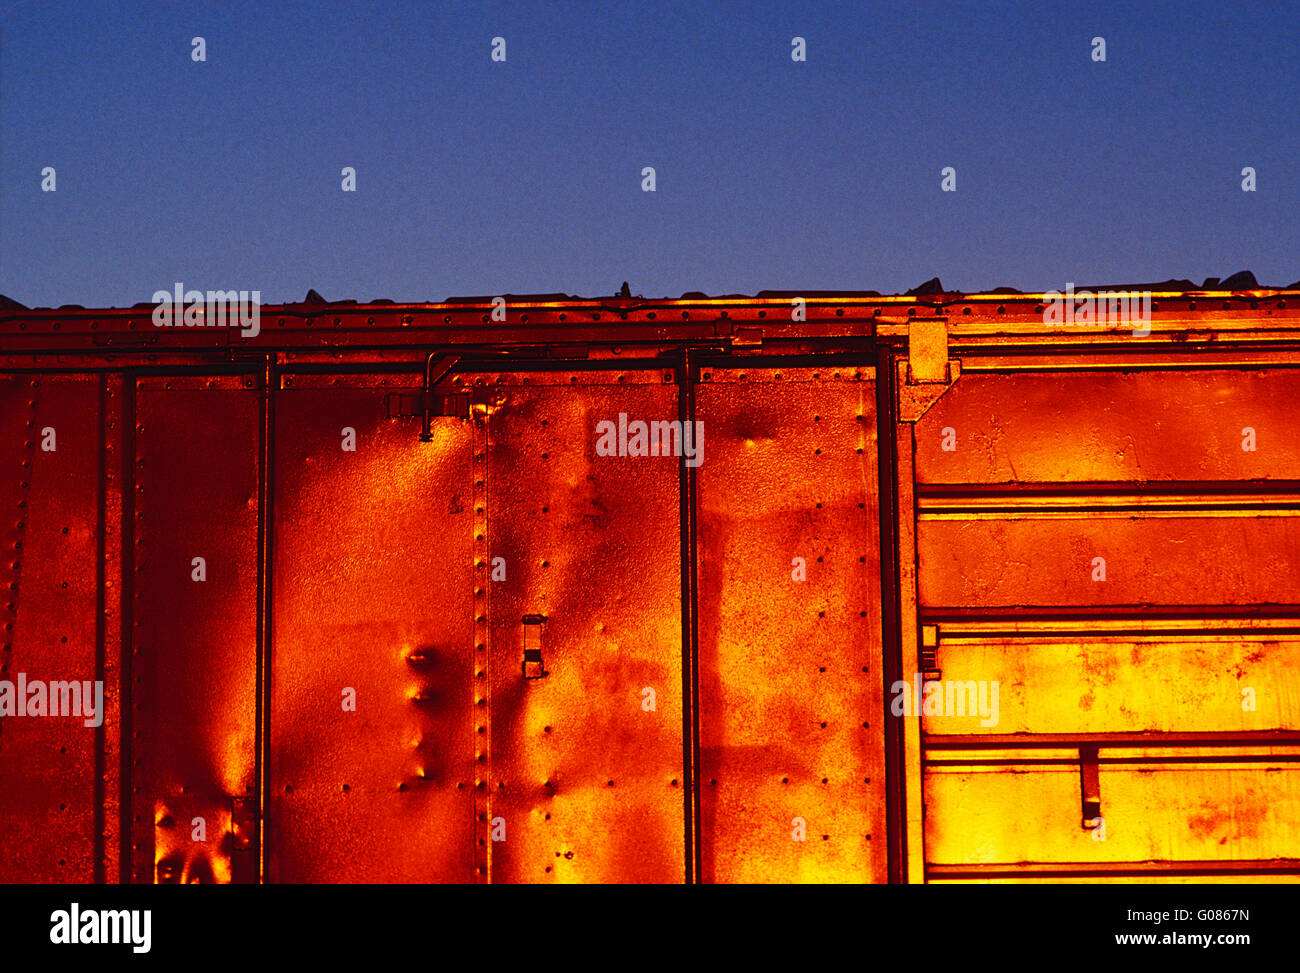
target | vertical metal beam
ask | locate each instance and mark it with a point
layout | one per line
(890, 636)
(111, 607)
(99, 842)
(690, 626)
(128, 780)
(909, 639)
(265, 562)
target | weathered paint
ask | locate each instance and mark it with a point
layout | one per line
(373, 571)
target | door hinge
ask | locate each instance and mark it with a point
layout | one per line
(533, 666)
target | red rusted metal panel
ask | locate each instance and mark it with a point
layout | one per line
(498, 653)
(48, 783)
(1190, 560)
(1111, 426)
(372, 694)
(193, 667)
(583, 758)
(792, 755)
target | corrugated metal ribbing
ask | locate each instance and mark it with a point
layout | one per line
(1108, 566)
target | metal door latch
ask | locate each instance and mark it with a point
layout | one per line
(533, 666)
(1090, 787)
(928, 656)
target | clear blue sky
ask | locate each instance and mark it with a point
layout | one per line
(477, 177)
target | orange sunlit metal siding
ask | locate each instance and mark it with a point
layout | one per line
(500, 655)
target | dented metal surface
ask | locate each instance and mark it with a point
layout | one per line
(583, 770)
(371, 777)
(442, 632)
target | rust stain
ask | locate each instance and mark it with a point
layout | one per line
(705, 692)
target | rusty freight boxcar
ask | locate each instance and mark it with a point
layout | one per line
(799, 587)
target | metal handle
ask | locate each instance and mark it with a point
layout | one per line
(533, 667)
(1090, 787)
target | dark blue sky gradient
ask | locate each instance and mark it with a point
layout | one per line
(483, 178)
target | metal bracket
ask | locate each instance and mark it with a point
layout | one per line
(927, 372)
(927, 351)
(1090, 787)
(533, 667)
(928, 657)
(431, 401)
(408, 405)
(433, 374)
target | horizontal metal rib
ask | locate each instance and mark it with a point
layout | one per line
(1281, 866)
(1026, 741)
